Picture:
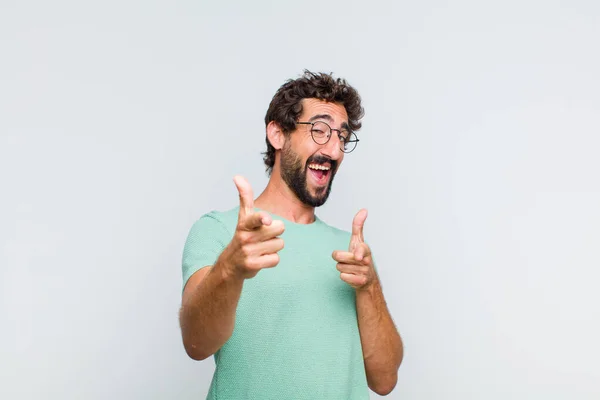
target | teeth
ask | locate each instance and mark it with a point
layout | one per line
(317, 166)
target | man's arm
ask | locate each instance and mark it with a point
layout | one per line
(211, 294)
(207, 314)
(381, 342)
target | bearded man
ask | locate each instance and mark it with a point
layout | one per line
(289, 306)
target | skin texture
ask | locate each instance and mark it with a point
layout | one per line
(293, 194)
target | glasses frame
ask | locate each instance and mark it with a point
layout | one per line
(339, 133)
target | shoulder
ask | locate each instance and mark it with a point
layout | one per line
(334, 231)
(215, 221)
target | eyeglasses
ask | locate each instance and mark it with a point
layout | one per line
(321, 133)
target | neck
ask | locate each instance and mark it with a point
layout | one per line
(278, 199)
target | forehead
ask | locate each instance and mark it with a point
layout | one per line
(313, 107)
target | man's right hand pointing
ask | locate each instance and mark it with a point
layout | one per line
(255, 242)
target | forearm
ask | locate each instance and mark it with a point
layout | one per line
(381, 342)
(208, 314)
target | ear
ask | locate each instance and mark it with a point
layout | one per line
(275, 135)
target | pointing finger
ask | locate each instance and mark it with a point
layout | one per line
(256, 220)
(344, 257)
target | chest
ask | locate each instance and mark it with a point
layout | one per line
(306, 279)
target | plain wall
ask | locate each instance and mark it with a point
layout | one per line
(122, 122)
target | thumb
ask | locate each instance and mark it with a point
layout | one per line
(357, 228)
(246, 195)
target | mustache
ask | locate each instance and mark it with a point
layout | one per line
(319, 159)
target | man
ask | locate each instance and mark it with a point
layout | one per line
(291, 307)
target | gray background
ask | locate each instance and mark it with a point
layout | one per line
(121, 122)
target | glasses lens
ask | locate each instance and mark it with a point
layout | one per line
(320, 132)
(349, 144)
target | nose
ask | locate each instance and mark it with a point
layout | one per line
(332, 148)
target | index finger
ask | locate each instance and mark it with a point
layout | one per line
(256, 220)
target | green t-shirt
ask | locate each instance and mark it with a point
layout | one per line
(296, 330)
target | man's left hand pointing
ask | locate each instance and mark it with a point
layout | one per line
(356, 264)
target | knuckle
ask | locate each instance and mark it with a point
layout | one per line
(271, 261)
(272, 232)
(251, 275)
(246, 251)
(245, 238)
(251, 264)
(278, 227)
(275, 259)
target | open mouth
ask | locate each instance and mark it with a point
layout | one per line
(320, 173)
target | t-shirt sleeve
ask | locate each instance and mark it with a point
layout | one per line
(207, 238)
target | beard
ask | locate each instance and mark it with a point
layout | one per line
(294, 175)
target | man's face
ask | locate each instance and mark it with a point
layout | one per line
(308, 168)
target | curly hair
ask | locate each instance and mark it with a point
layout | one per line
(286, 105)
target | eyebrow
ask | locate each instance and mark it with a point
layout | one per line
(328, 118)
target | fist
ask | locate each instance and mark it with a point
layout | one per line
(256, 240)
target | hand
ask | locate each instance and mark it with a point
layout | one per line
(356, 265)
(255, 243)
